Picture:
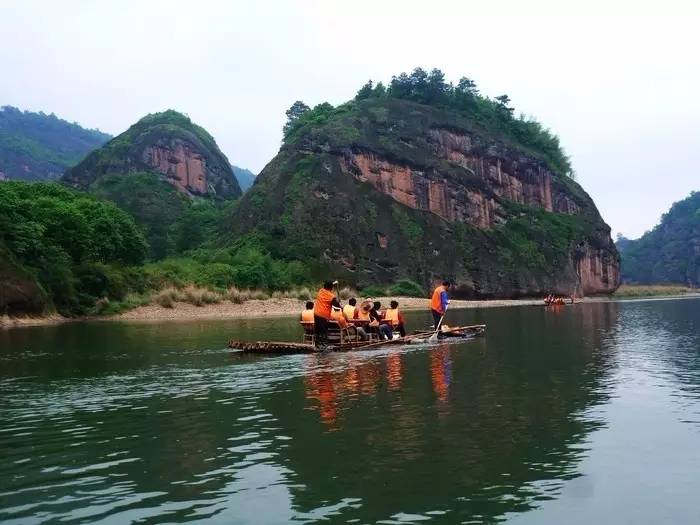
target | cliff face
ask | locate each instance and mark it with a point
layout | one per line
(169, 145)
(392, 189)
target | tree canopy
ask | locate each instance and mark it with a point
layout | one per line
(670, 253)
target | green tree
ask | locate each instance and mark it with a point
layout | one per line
(365, 91)
(294, 113)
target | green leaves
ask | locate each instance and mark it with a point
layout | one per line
(53, 231)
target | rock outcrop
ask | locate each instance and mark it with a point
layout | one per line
(20, 293)
(169, 145)
(391, 189)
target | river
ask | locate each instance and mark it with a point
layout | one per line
(586, 414)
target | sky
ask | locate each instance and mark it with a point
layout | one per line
(617, 80)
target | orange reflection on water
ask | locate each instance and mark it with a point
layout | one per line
(394, 371)
(320, 387)
(441, 371)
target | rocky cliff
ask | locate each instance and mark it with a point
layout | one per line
(168, 145)
(383, 189)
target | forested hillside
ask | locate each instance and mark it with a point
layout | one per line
(63, 249)
(37, 146)
(169, 174)
(424, 179)
(670, 253)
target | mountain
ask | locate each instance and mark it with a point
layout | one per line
(168, 144)
(670, 253)
(167, 172)
(36, 146)
(423, 180)
(245, 177)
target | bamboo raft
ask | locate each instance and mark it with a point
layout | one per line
(284, 347)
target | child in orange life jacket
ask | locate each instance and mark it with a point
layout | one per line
(349, 309)
(393, 320)
(307, 315)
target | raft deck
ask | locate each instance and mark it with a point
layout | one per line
(284, 347)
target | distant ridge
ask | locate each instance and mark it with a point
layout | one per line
(245, 177)
(37, 146)
(668, 254)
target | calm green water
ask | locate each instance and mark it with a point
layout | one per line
(586, 415)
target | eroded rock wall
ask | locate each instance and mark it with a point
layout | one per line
(185, 168)
(597, 271)
(501, 175)
(519, 179)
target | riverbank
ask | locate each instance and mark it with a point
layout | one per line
(253, 308)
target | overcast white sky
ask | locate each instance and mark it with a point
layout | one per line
(618, 81)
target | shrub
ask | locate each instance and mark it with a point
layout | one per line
(373, 291)
(303, 294)
(407, 288)
(346, 293)
(166, 297)
(193, 296)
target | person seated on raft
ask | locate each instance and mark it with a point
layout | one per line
(355, 332)
(376, 317)
(393, 320)
(350, 309)
(307, 315)
(362, 311)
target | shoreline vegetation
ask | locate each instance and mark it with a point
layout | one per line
(653, 290)
(192, 303)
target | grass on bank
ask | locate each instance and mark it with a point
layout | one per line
(170, 295)
(653, 290)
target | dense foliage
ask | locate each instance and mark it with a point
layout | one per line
(491, 115)
(70, 242)
(670, 253)
(36, 146)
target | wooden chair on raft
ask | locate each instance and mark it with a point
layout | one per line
(336, 334)
(309, 335)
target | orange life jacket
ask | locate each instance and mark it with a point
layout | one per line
(322, 306)
(391, 315)
(337, 316)
(349, 312)
(436, 302)
(362, 315)
(307, 316)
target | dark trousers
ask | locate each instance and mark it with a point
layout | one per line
(401, 329)
(386, 331)
(436, 319)
(321, 330)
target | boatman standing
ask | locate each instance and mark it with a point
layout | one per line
(323, 309)
(439, 302)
